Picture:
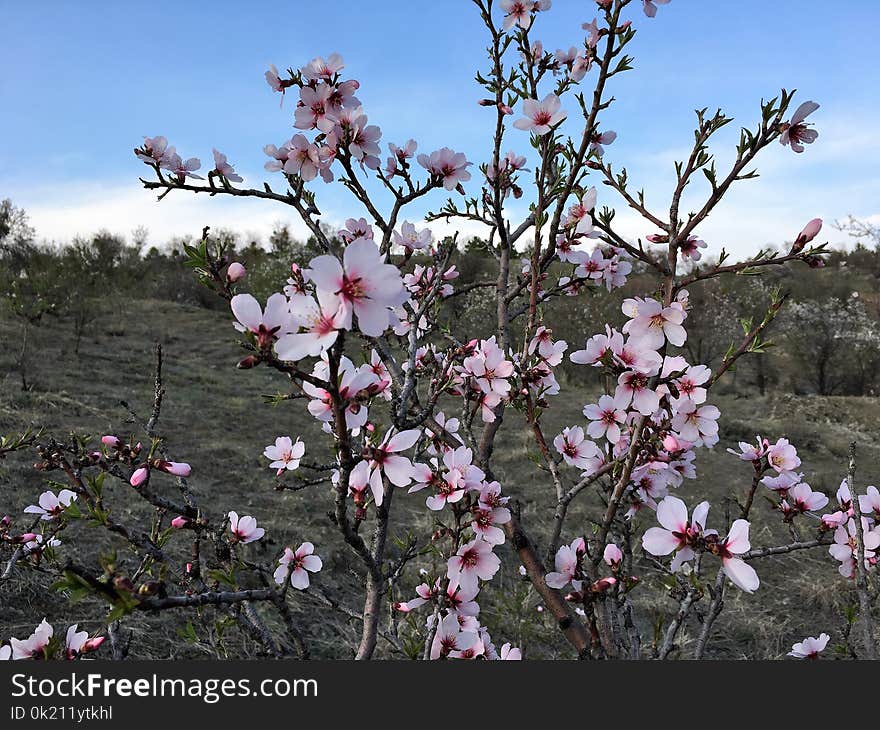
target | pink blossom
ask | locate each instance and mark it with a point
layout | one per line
(845, 546)
(244, 528)
(274, 80)
(696, 423)
(541, 117)
(320, 70)
(154, 150)
(222, 167)
(691, 248)
(34, 647)
(285, 454)
(77, 643)
(447, 166)
(782, 456)
(362, 283)
(606, 419)
(472, 561)
(566, 562)
(870, 503)
(322, 320)
(805, 499)
(810, 648)
(598, 140)
(450, 640)
(677, 533)
(750, 452)
(510, 653)
(652, 324)
(314, 110)
(302, 158)
(181, 169)
(489, 368)
(294, 566)
(650, 6)
(175, 468)
(632, 388)
(51, 506)
(385, 459)
(741, 574)
(412, 239)
(179, 522)
(266, 326)
(576, 450)
(517, 12)
(796, 131)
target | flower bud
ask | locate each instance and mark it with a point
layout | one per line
(140, 475)
(179, 522)
(810, 231)
(111, 441)
(178, 469)
(670, 443)
(235, 272)
(248, 362)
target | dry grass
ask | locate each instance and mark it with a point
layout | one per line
(214, 417)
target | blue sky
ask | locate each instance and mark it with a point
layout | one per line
(83, 82)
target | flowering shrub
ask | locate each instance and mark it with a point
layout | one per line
(357, 331)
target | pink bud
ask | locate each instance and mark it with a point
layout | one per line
(811, 230)
(139, 477)
(670, 443)
(505, 109)
(26, 537)
(110, 441)
(177, 468)
(603, 584)
(486, 102)
(235, 272)
(189, 568)
(612, 554)
(179, 522)
(92, 644)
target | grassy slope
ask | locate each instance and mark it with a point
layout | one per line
(214, 418)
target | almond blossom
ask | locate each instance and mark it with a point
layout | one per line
(363, 284)
(284, 454)
(797, 132)
(450, 640)
(677, 534)
(577, 451)
(448, 167)
(244, 528)
(296, 566)
(265, 326)
(472, 561)
(51, 505)
(385, 460)
(77, 643)
(606, 419)
(34, 647)
(650, 6)
(321, 319)
(223, 168)
(541, 116)
(741, 574)
(810, 648)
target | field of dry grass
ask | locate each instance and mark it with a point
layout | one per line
(215, 417)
